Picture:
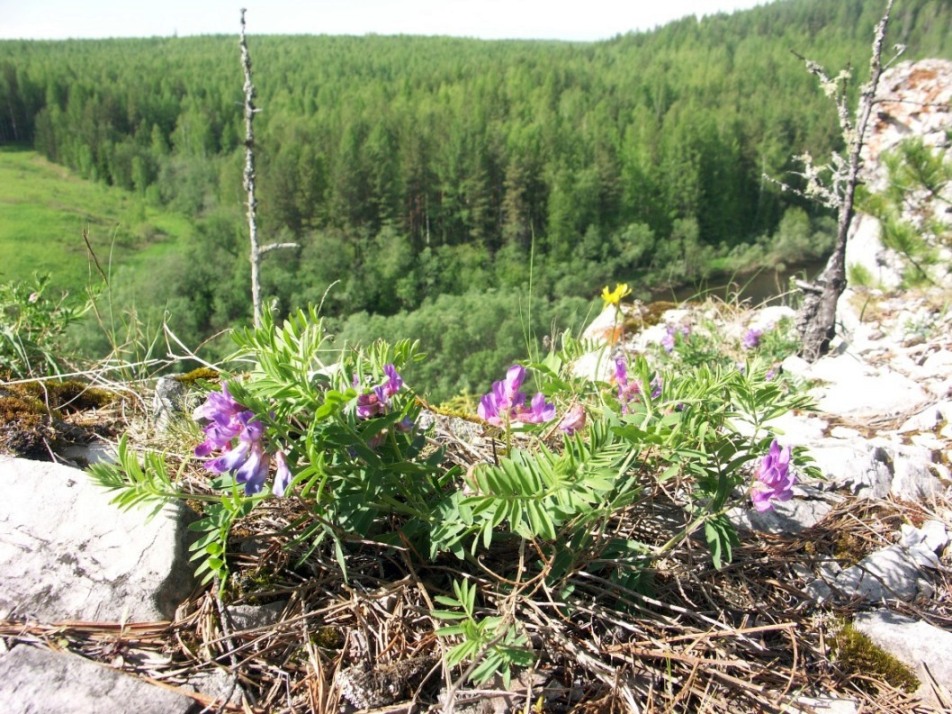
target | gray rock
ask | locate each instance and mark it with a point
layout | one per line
(251, 617)
(808, 507)
(926, 649)
(169, 401)
(854, 466)
(915, 477)
(926, 543)
(868, 396)
(66, 553)
(888, 574)
(218, 685)
(38, 681)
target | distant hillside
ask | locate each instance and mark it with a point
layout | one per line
(408, 168)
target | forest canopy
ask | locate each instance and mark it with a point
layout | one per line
(413, 167)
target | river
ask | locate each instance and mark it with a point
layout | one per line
(766, 286)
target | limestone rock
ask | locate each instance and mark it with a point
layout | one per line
(913, 100)
(888, 574)
(38, 681)
(925, 648)
(66, 553)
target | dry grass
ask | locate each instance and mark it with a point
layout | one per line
(743, 639)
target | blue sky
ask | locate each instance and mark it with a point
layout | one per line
(490, 19)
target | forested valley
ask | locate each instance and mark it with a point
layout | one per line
(473, 194)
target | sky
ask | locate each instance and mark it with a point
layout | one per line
(580, 20)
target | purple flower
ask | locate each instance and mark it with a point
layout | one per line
(668, 340)
(283, 476)
(573, 420)
(230, 460)
(773, 479)
(377, 401)
(369, 405)
(254, 471)
(224, 416)
(538, 412)
(219, 407)
(629, 390)
(394, 380)
(504, 402)
(234, 431)
(752, 338)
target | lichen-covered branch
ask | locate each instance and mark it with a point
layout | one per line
(817, 319)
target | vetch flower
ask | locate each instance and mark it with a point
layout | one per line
(369, 405)
(669, 341)
(538, 412)
(377, 401)
(283, 476)
(394, 380)
(233, 430)
(773, 478)
(254, 471)
(752, 338)
(614, 297)
(230, 460)
(628, 390)
(504, 402)
(219, 407)
(573, 420)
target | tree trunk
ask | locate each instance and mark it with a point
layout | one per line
(816, 321)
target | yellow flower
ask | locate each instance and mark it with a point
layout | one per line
(614, 297)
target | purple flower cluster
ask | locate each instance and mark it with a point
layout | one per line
(628, 390)
(773, 479)
(233, 430)
(752, 338)
(505, 403)
(670, 337)
(377, 401)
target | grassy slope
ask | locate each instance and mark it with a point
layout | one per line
(44, 209)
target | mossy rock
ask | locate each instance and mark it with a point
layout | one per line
(67, 396)
(858, 654)
(26, 426)
(31, 415)
(644, 316)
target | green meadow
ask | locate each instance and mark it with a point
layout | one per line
(45, 210)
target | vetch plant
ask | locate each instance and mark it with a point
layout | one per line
(335, 432)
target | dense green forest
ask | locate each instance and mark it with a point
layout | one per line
(414, 169)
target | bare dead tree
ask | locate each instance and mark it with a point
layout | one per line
(816, 321)
(257, 250)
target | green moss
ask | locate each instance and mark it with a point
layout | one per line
(849, 549)
(202, 374)
(328, 638)
(25, 426)
(67, 395)
(858, 654)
